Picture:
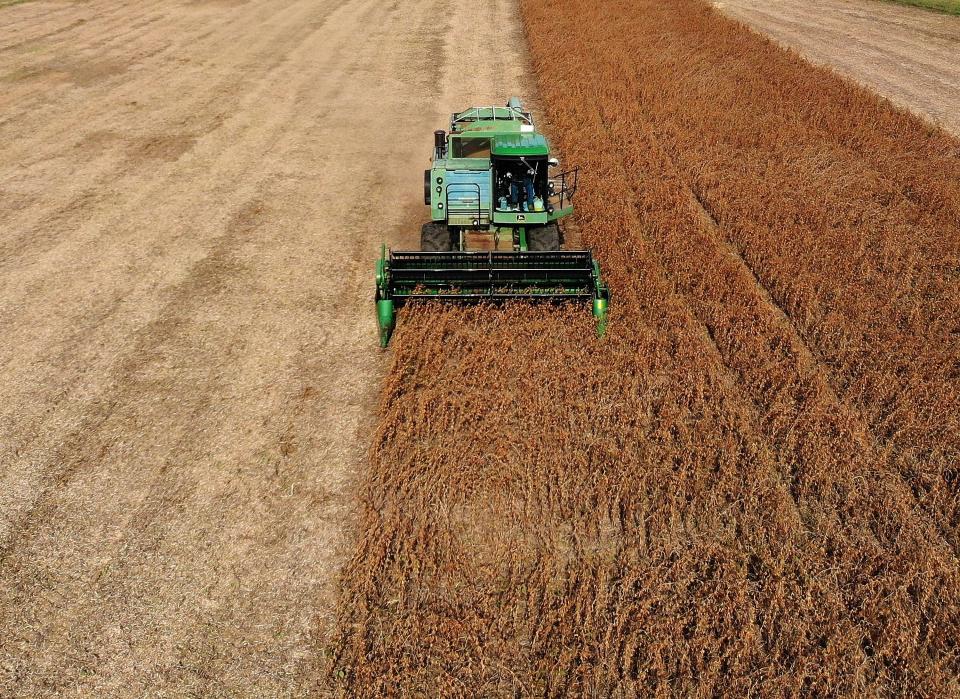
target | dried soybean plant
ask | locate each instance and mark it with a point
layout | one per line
(745, 487)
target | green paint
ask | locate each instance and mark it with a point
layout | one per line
(517, 144)
(601, 300)
(385, 320)
(382, 279)
(470, 277)
(600, 313)
(522, 238)
(481, 141)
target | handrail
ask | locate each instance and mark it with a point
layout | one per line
(566, 191)
(476, 114)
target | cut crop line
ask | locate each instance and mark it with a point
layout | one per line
(56, 32)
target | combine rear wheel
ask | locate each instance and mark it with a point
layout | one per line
(544, 238)
(435, 237)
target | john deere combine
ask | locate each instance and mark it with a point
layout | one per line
(493, 233)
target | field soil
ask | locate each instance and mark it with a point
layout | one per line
(907, 54)
(191, 198)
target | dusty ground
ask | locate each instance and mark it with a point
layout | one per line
(191, 196)
(908, 55)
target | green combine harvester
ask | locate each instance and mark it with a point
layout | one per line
(493, 232)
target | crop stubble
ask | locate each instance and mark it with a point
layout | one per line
(751, 483)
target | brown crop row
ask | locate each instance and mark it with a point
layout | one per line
(749, 485)
(845, 211)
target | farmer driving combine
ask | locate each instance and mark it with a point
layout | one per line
(530, 200)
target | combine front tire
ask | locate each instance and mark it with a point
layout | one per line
(544, 238)
(435, 237)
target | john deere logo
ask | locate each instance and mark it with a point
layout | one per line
(521, 217)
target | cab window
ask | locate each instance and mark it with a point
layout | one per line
(471, 148)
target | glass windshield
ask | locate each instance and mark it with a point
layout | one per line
(471, 147)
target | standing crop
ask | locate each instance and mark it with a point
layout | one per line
(749, 486)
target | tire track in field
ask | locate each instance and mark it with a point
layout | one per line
(241, 134)
(729, 375)
(879, 519)
(50, 237)
(865, 441)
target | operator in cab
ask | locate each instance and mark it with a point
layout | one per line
(524, 186)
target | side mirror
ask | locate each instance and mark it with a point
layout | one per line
(553, 162)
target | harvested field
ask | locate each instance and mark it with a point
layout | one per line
(907, 54)
(191, 197)
(750, 486)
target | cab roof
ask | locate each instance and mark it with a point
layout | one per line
(517, 144)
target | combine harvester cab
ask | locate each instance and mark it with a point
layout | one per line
(493, 232)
